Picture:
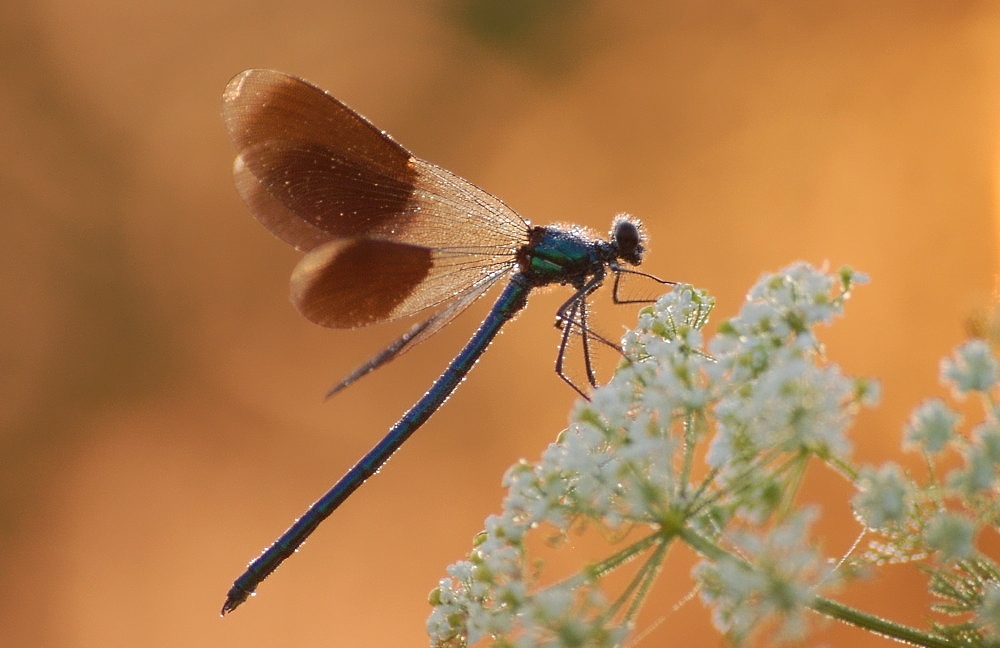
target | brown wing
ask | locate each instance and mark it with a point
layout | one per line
(322, 178)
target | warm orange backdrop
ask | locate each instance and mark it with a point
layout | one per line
(160, 401)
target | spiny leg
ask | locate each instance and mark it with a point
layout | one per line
(565, 322)
(572, 316)
(616, 287)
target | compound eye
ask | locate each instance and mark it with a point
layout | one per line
(628, 239)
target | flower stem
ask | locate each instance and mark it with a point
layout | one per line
(878, 625)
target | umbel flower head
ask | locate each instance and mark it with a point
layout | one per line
(699, 443)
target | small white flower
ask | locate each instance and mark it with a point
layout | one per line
(987, 437)
(988, 611)
(977, 475)
(951, 535)
(931, 426)
(971, 368)
(882, 497)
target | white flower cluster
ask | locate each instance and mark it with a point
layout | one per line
(633, 457)
(776, 577)
(940, 520)
(893, 504)
(779, 398)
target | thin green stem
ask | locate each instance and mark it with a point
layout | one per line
(796, 473)
(878, 625)
(843, 467)
(689, 445)
(639, 585)
(612, 563)
(650, 571)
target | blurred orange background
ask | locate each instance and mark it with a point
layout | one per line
(161, 414)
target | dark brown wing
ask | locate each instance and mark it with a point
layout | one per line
(322, 178)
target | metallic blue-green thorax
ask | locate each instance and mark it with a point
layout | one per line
(561, 256)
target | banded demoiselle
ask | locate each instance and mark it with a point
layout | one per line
(388, 235)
